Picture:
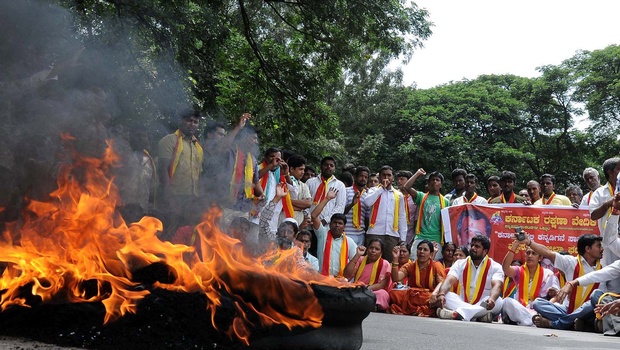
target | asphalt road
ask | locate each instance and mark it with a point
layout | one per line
(387, 332)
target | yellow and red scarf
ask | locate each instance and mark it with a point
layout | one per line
(357, 208)
(418, 226)
(178, 149)
(321, 191)
(375, 210)
(578, 297)
(548, 202)
(526, 291)
(287, 204)
(473, 198)
(406, 200)
(431, 275)
(508, 288)
(510, 200)
(374, 275)
(344, 255)
(243, 172)
(481, 281)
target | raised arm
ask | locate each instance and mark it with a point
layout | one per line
(397, 275)
(408, 186)
(316, 213)
(506, 263)
(539, 248)
(349, 270)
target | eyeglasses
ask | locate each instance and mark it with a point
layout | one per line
(530, 252)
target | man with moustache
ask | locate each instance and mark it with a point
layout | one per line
(562, 315)
(355, 210)
(388, 217)
(429, 204)
(458, 181)
(593, 181)
(482, 280)
(533, 189)
(180, 159)
(470, 195)
(321, 184)
(549, 197)
(507, 182)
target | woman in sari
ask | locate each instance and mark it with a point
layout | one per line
(424, 275)
(447, 253)
(367, 267)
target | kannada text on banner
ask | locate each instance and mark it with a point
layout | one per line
(557, 227)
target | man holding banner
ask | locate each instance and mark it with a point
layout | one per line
(552, 314)
(481, 279)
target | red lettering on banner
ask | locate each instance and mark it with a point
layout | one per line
(557, 227)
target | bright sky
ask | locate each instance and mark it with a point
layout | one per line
(475, 37)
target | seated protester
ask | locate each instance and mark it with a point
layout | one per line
(493, 188)
(355, 210)
(458, 181)
(470, 195)
(429, 224)
(334, 248)
(481, 279)
(305, 238)
(447, 252)
(549, 197)
(423, 275)
(558, 315)
(367, 267)
(575, 195)
(611, 322)
(531, 281)
(404, 256)
(461, 252)
(507, 183)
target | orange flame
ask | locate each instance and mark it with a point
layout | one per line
(77, 248)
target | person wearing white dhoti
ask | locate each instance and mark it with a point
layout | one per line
(481, 281)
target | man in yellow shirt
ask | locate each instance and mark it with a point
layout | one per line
(549, 197)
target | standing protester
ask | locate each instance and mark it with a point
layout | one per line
(593, 181)
(507, 182)
(388, 218)
(470, 195)
(324, 182)
(429, 204)
(355, 210)
(458, 181)
(410, 208)
(180, 163)
(549, 197)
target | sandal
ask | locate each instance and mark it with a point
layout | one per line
(541, 322)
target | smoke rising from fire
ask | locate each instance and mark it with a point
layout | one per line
(65, 75)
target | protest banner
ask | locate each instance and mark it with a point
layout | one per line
(557, 227)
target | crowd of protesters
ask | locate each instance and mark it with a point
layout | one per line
(374, 227)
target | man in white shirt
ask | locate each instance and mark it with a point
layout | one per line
(470, 195)
(321, 184)
(554, 314)
(593, 180)
(388, 217)
(480, 297)
(601, 208)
